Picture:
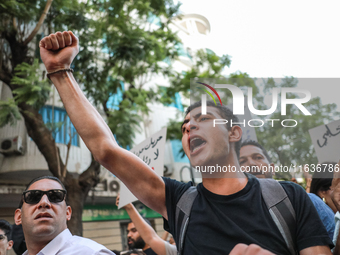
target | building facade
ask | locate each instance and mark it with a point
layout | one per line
(21, 161)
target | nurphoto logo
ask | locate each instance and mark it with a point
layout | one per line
(238, 100)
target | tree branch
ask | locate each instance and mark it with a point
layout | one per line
(15, 24)
(41, 21)
(106, 110)
(68, 146)
(90, 177)
(1, 46)
(42, 137)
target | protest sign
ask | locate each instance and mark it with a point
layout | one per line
(151, 151)
(326, 141)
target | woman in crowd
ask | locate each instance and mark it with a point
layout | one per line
(320, 194)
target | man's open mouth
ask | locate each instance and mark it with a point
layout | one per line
(196, 143)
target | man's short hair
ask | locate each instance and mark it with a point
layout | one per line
(7, 228)
(254, 143)
(322, 181)
(145, 219)
(225, 113)
(43, 178)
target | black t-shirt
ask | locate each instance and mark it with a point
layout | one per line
(149, 252)
(217, 223)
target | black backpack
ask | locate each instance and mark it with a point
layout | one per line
(276, 199)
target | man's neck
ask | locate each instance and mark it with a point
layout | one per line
(146, 247)
(36, 243)
(226, 180)
(227, 185)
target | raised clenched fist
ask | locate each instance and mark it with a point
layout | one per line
(58, 50)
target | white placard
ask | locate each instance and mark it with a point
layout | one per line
(326, 141)
(151, 151)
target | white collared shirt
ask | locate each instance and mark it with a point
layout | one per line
(66, 244)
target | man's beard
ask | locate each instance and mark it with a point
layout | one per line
(136, 244)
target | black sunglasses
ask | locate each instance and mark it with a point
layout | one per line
(34, 196)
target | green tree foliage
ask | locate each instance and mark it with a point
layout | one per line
(9, 112)
(122, 45)
(206, 65)
(30, 88)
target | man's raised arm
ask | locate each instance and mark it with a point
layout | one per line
(57, 52)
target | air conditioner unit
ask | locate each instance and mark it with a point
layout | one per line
(11, 145)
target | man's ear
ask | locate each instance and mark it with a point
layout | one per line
(9, 245)
(68, 212)
(235, 134)
(17, 216)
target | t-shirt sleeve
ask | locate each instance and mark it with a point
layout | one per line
(173, 192)
(325, 213)
(310, 230)
(170, 249)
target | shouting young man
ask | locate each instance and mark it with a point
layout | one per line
(228, 214)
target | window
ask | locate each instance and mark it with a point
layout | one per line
(60, 124)
(115, 99)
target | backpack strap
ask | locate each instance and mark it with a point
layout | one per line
(183, 209)
(281, 210)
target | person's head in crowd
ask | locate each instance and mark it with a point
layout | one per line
(43, 211)
(6, 242)
(220, 144)
(134, 239)
(322, 182)
(172, 240)
(255, 159)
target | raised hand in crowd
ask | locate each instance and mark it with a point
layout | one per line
(147, 233)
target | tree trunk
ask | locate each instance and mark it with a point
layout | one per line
(75, 198)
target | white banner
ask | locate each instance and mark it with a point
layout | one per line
(151, 151)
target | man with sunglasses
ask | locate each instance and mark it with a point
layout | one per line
(6, 242)
(43, 213)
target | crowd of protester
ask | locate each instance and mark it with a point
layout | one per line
(141, 237)
(228, 213)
